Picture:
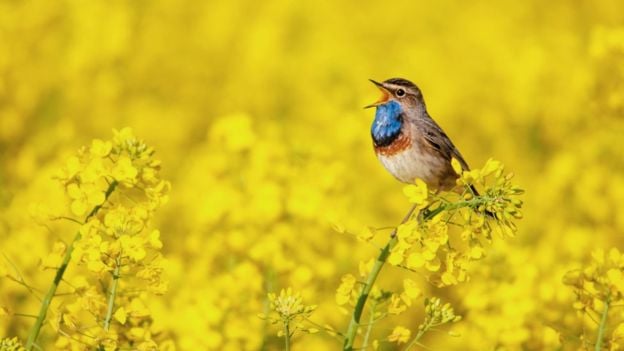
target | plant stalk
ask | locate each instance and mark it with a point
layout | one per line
(372, 277)
(112, 295)
(287, 335)
(369, 327)
(381, 260)
(47, 299)
(602, 326)
(419, 335)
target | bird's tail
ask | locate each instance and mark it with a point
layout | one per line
(476, 193)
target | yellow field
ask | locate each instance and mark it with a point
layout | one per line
(267, 179)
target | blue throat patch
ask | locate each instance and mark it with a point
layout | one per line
(387, 124)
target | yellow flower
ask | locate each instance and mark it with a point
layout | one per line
(366, 234)
(93, 171)
(476, 251)
(616, 278)
(290, 311)
(400, 335)
(448, 278)
(417, 193)
(94, 264)
(84, 198)
(54, 259)
(12, 344)
(154, 240)
(410, 292)
(396, 256)
(618, 333)
(123, 137)
(100, 148)
(491, 166)
(344, 291)
(136, 333)
(411, 289)
(437, 313)
(148, 345)
(133, 247)
(397, 305)
(72, 167)
(287, 304)
(456, 166)
(415, 260)
(408, 231)
(365, 267)
(121, 315)
(137, 308)
(433, 265)
(124, 171)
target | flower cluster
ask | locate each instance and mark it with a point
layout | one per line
(288, 309)
(116, 185)
(92, 175)
(599, 290)
(385, 302)
(12, 344)
(499, 199)
(602, 280)
(436, 314)
(424, 241)
(262, 177)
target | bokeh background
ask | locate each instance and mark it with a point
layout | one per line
(255, 108)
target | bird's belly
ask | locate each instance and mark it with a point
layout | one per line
(410, 164)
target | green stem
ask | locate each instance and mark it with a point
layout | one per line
(369, 327)
(372, 276)
(45, 304)
(381, 260)
(287, 335)
(419, 335)
(602, 326)
(112, 295)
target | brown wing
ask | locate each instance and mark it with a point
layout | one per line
(439, 141)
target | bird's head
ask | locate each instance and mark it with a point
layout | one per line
(401, 100)
(401, 91)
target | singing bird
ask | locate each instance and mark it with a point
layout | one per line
(408, 142)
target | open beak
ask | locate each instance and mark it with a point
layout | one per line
(385, 95)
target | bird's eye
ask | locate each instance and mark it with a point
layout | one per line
(400, 92)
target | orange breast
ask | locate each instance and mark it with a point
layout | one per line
(400, 144)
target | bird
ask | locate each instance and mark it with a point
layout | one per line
(408, 142)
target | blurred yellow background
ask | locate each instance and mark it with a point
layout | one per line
(255, 108)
